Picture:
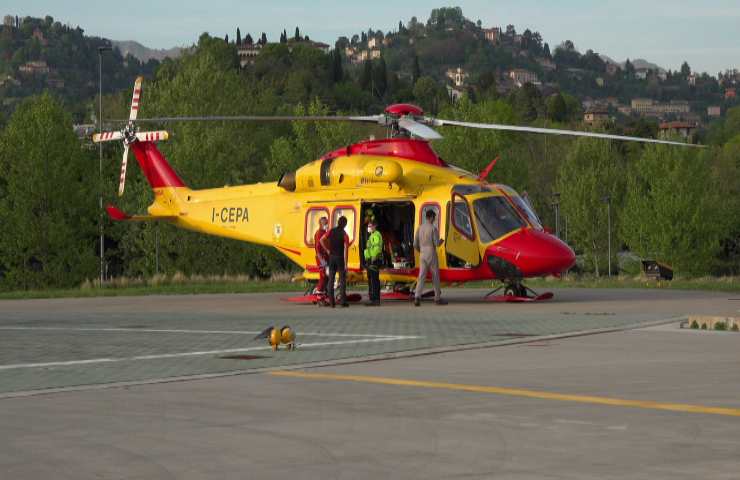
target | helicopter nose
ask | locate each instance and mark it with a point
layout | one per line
(529, 253)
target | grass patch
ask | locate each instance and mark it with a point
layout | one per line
(720, 284)
(177, 284)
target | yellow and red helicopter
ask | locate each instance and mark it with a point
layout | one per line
(490, 231)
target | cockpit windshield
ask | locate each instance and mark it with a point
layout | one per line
(495, 218)
(526, 208)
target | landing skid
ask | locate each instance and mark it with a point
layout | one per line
(516, 292)
(321, 299)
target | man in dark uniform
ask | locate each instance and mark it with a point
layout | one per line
(336, 242)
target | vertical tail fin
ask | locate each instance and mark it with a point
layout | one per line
(155, 167)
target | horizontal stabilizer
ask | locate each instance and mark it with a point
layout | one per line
(120, 216)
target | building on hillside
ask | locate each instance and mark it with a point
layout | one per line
(642, 73)
(38, 67)
(547, 64)
(520, 76)
(454, 94)
(611, 68)
(375, 53)
(691, 79)
(457, 75)
(372, 43)
(325, 48)
(39, 35)
(8, 80)
(248, 53)
(596, 115)
(9, 21)
(364, 55)
(387, 41)
(600, 82)
(682, 129)
(730, 93)
(651, 108)
(714, 111)
(493, 35)
(349, 52)
(625, 110)
(612, 101)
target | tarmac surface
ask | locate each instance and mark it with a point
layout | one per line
(140, 388)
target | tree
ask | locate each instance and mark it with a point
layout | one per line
(557, 110)
(429, 94)
(337, 73)
(685, 70)
(297, 36)
(629, 69)
(415, 69)
(366, 77)
(487, 85)
(226, 38)
(546, 51)
(591, 171)
(46, 200)
(238, 36)
(263, 39)
(674, 211)
(380, 78)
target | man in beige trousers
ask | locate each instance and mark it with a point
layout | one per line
(426, 242)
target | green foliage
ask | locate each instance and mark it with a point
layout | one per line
(671, 213)
(591, 171)
(721, 326)
(695, 325)
(735, 327)
(429, 95)
(308, 141)
(46, 200)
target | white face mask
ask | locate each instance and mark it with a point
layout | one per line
(370, 230)
(325, 226)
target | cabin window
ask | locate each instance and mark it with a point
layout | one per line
(349, 213)
(325, 175)
(313, 217)
(461, 216)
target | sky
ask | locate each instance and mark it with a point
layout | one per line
(666, 32)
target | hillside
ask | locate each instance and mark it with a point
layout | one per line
(43, 54)
(144, 54)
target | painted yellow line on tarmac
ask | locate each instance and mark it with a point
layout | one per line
(517, 392)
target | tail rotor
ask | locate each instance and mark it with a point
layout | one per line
(130, 134)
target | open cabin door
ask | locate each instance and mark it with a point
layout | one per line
(460, 242)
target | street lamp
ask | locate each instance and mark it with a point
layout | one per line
(608, 200)
(100, 162)
(556, 207)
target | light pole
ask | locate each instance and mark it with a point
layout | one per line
(608, 200)
(556, 207)
(100, 162)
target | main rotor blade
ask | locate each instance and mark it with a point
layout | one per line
(418, 129)
(555, 131)
(122, 181)
(272, 118)
(135, 99)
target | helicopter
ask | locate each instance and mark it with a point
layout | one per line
(490, 231)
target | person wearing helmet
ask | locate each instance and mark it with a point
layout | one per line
(373, 261)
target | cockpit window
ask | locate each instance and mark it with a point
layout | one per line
(495, 218)
(526, 208)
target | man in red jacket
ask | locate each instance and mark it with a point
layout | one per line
(322, 256)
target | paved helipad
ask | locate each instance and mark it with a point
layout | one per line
(75, 342)
(653, 402)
